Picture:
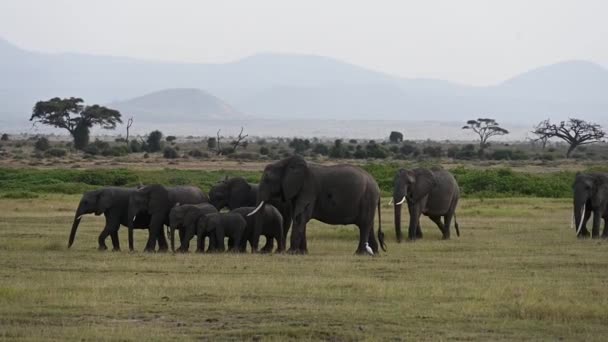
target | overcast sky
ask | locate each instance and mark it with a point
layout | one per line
(467, 41)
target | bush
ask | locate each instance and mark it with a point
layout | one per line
(360, 153)
(42, 144)
(244, 156)
(154, 141)
(171, 139)
(170, 153)
(321, 149)
(432, 151)
(115, 151)
(374, 150)
(211, 143)
(409, 148)
(4, 137)
(467, 152)
(56, 152)
(91, 149)
(198, 154)
(264, 151)
(135, 146)
(299, 145)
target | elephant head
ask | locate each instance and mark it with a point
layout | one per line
(96, 201)
(289, 180)
(208, 225)
(411, 186)
(232, 193)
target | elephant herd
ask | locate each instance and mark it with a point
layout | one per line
(291, 192)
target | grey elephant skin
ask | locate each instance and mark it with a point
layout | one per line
(184, 217)
(113, 203)
(157, 201)
(590, 192)
(430, 192)
(272, 228)
(236, 192)
(338, 194)
(219, 226)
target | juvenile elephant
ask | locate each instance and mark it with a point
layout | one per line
(272, 229)
(236, 192)
(218, 226)
(113, 203)
(590, 197)
(434, 193)
(184, 217)
(338, 194)
(157, 201)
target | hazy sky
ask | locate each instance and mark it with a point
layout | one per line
(467, 41)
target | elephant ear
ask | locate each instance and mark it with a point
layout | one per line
(104, 199)
(158, 198)
(295, 174)
(423, 183)
(239, 191)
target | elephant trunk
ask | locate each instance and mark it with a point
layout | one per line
(398, 221)
(77, 218)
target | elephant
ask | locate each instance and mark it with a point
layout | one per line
(337, 194)
(432, 192)
(156, 201)
(236, 192)
(184, 217)
(590, 197)
(217, 226)
(272, 229)
(113, 203)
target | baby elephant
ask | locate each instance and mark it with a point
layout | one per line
(218, 226)
(272, 228)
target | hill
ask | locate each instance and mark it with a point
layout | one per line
(181, 104)
(286, 86)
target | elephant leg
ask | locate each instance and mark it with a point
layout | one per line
(419, 231)
(269, 246)
(447, 219)
(111, 226)
(163, 246)
(115, 241)
(595, 231)
(414, 222)
(437, 220)
(156, 226)
(366, 226)
(298, 236)
(584, 232)
(605, 232)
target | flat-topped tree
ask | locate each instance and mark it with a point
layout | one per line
(575, 132)
(485, 129)
(77, 118)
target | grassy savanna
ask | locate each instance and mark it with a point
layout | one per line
(517, 272)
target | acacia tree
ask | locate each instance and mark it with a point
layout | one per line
(72, 115)
(485, 129)
(575, 132)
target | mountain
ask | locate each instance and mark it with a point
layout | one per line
(184, 104)
(287, 86)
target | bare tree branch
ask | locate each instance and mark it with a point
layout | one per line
(575, 132)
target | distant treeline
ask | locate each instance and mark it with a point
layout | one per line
(504, 182)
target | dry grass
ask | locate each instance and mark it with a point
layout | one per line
(517, 272)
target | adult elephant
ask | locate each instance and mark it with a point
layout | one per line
(184, 217)
(339, 194)
(433, 193)
(156, 201)
(236, 192)
(590, 197)
(113, 203)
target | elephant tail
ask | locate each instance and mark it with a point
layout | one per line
(380, 232)
(456, 225)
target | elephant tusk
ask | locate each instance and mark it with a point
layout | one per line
(401, 202)
(390, 202)
(134, 217)
(368, 249)
(256, 209)
(580, 225)
(79, 217)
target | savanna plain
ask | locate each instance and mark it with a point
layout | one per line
(516, 272)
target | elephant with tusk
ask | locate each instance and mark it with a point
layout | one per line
(590, 192)
(430, 192)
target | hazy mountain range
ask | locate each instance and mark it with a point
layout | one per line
(283, 86)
